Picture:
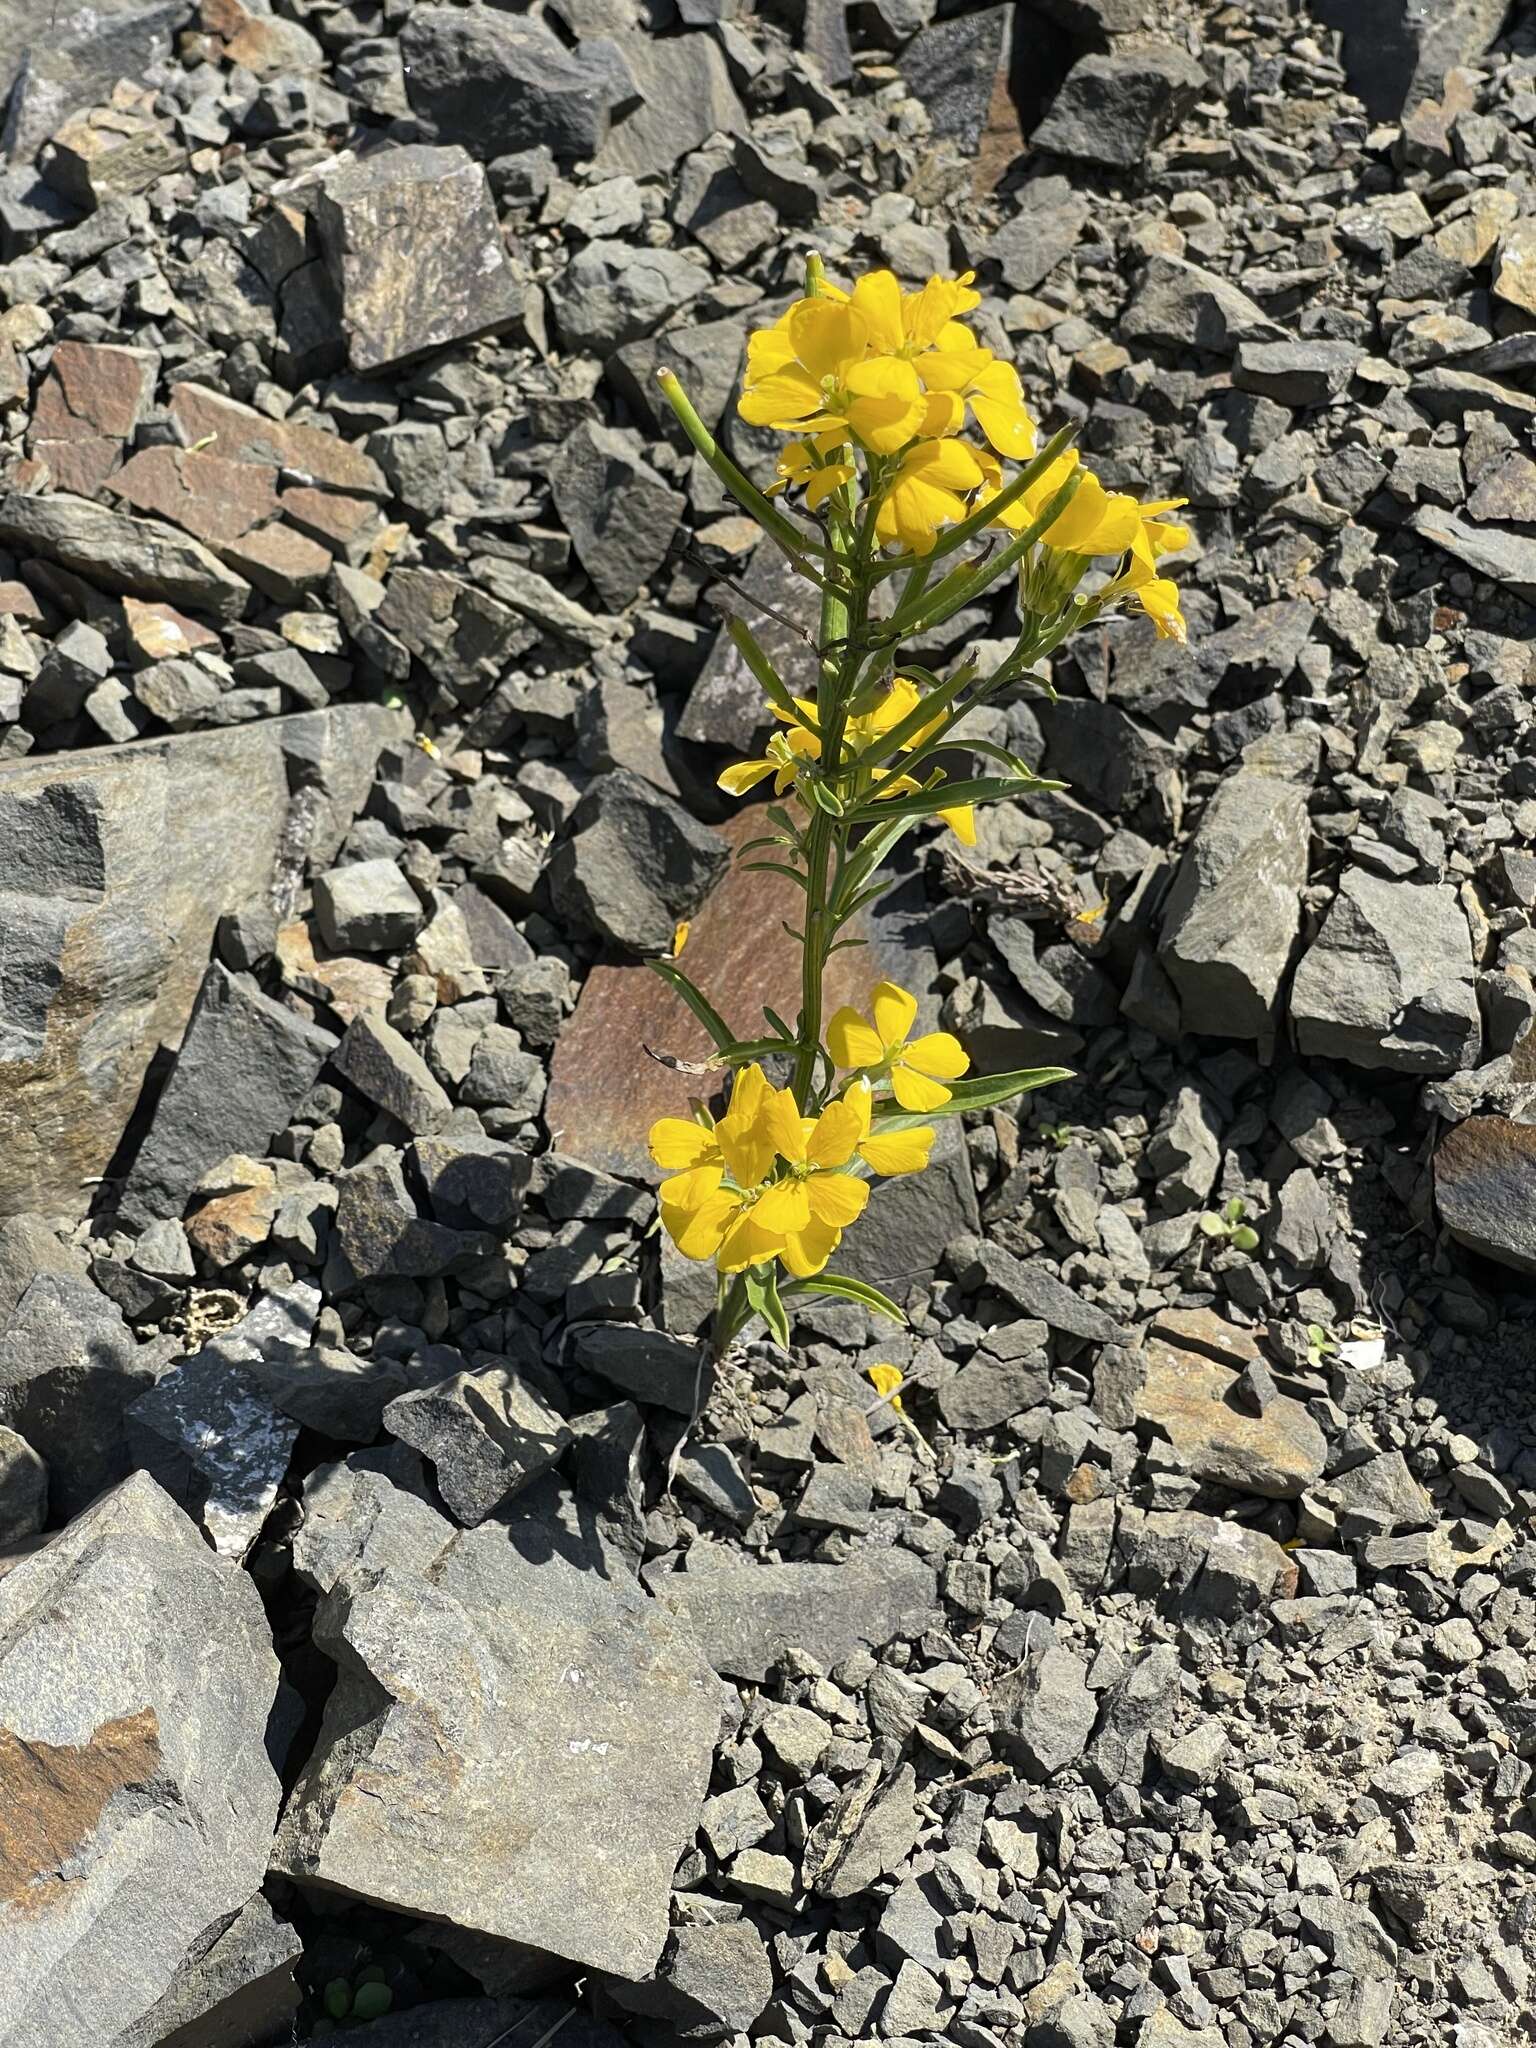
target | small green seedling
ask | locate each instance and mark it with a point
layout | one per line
(1320, 1345)
(1230, 1226)
(1058, 1135)
(365, 1997)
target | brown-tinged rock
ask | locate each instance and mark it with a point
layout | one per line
(207, 495)
(158, 632)
(119, 553)
(110, 152)
(1485, 1188)
(265, 43)
(286, 566)
(1277, 1455)
(241, 434)
(347, 526)
(90, 401)
(242, 1200)
(342, 981)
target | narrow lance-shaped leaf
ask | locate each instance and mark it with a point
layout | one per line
(768, 516)
(944, 796)
(985, 1091)
(773, 686)
(841, 1288)
(697, 1001)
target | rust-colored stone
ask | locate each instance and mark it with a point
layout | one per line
(158, 632)
(1485, 1188)
(283, 564)
(206, 495)
(347, 526)
(1278, 1454)
(92, 398)
(239, 1217)
(55, 1795)
(241, 434)
(341, 981)
(605, 1091)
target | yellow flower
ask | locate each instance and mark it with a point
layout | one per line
(738, 1142)
(885, 1379)
(968, 372)
(781, 759)
(927, 490)
(917, 1071)
(1094, 521)
(814, 1203)
(800, 464)
(906, 323)
(887, 1153)
(816, 376)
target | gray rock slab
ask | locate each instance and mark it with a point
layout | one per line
(514, 1745)
(1232, 916)
(69, 1367)
(1186, 1394)
(632, 863)
(413, 246)
(685, 96)
(1186, 306)
(136, 1679)
(1114, 106)
(1389, 979)
(486, 1434)
(51, 68)
(117, 552)
(1485, 1188)
(370, 1511)
(116, 863)
(1503, 556)
(747, 1615)
(239, 1988)
(245, 1064)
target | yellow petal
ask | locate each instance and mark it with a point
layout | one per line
(698, 1233)
(677, 1142)
(1008, 427)
(691, 1189)
(827, 337)
(944, 413)
(938, 1053)
(784, 1206)
(834, 1135)
(743, 775)
(806, 1251)
(749, 1091)
(961, 820)
(852, 1042)
(895, 1012)
(885, 1379)
(746, 1243)
(878, 298)
(783, 399)
(893, 1152)
(1159, 599)
(914, 1090)
(784, 1125)
(836, 1199)
(885, 404)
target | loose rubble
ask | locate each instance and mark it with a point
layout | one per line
(398, 1612)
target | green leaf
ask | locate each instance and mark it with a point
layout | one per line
(372, 2002)
(842, 1288)
(943, 796)
(986, 1091)
(1212, 1226)
(768, 516)
(763, 1293)
(338, 1998)
(774, 687)
(1246, 1238)
(698, 1002)
(774, 867)
(824, 796)
(789, 1037)
(1233, 1211)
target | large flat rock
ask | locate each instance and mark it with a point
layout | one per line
(1485, 1188)
(136, 1678)
(514, 1745)
(116, 863)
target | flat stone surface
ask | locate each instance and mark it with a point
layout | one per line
(207, 495)
(1493, 551)
(1388, 981)
(118, 552)
(69, 1367)
(241, 434)
(414, 248)
(1278, 1454)
(747, 1615)
(146, 1784)
(1485, 1189)
(513, 1745)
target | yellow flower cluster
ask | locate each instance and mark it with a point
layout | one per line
(767, 1183)
(896, 374)
(788, 751)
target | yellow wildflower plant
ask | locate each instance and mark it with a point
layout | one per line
(911, 451)
(884, 1050)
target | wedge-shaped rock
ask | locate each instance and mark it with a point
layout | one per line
(748, 1615)
(136, 1678)
(116, 863)
(513, 1745)
(115, 551)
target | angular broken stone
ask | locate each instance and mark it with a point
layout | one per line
(1232, 917)
(238, 433)
(619, 513)
(103, 847)
(1485, 1189)
(88, 406)
(367, 907)
(710, 1981)
(414, 249)
(1494, 551)
(747, 1615)
(245, 1064)
(534, 1743)
(1186, 1394)
(485, 1434)
(1044, 1712)
(107, 152)
(207, 1432)
(387, 1070)
(212, 498)
(117, 552)
(1397, 53)
(496, 83)
(1113, 107)
(1388, 981)
(632, 863)
(135, 1764)
(69, 1367)
(1188, 307)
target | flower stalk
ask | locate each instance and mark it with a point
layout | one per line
(877, 386)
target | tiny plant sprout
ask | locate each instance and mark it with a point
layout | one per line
(1230, 1227)
(912, 483)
